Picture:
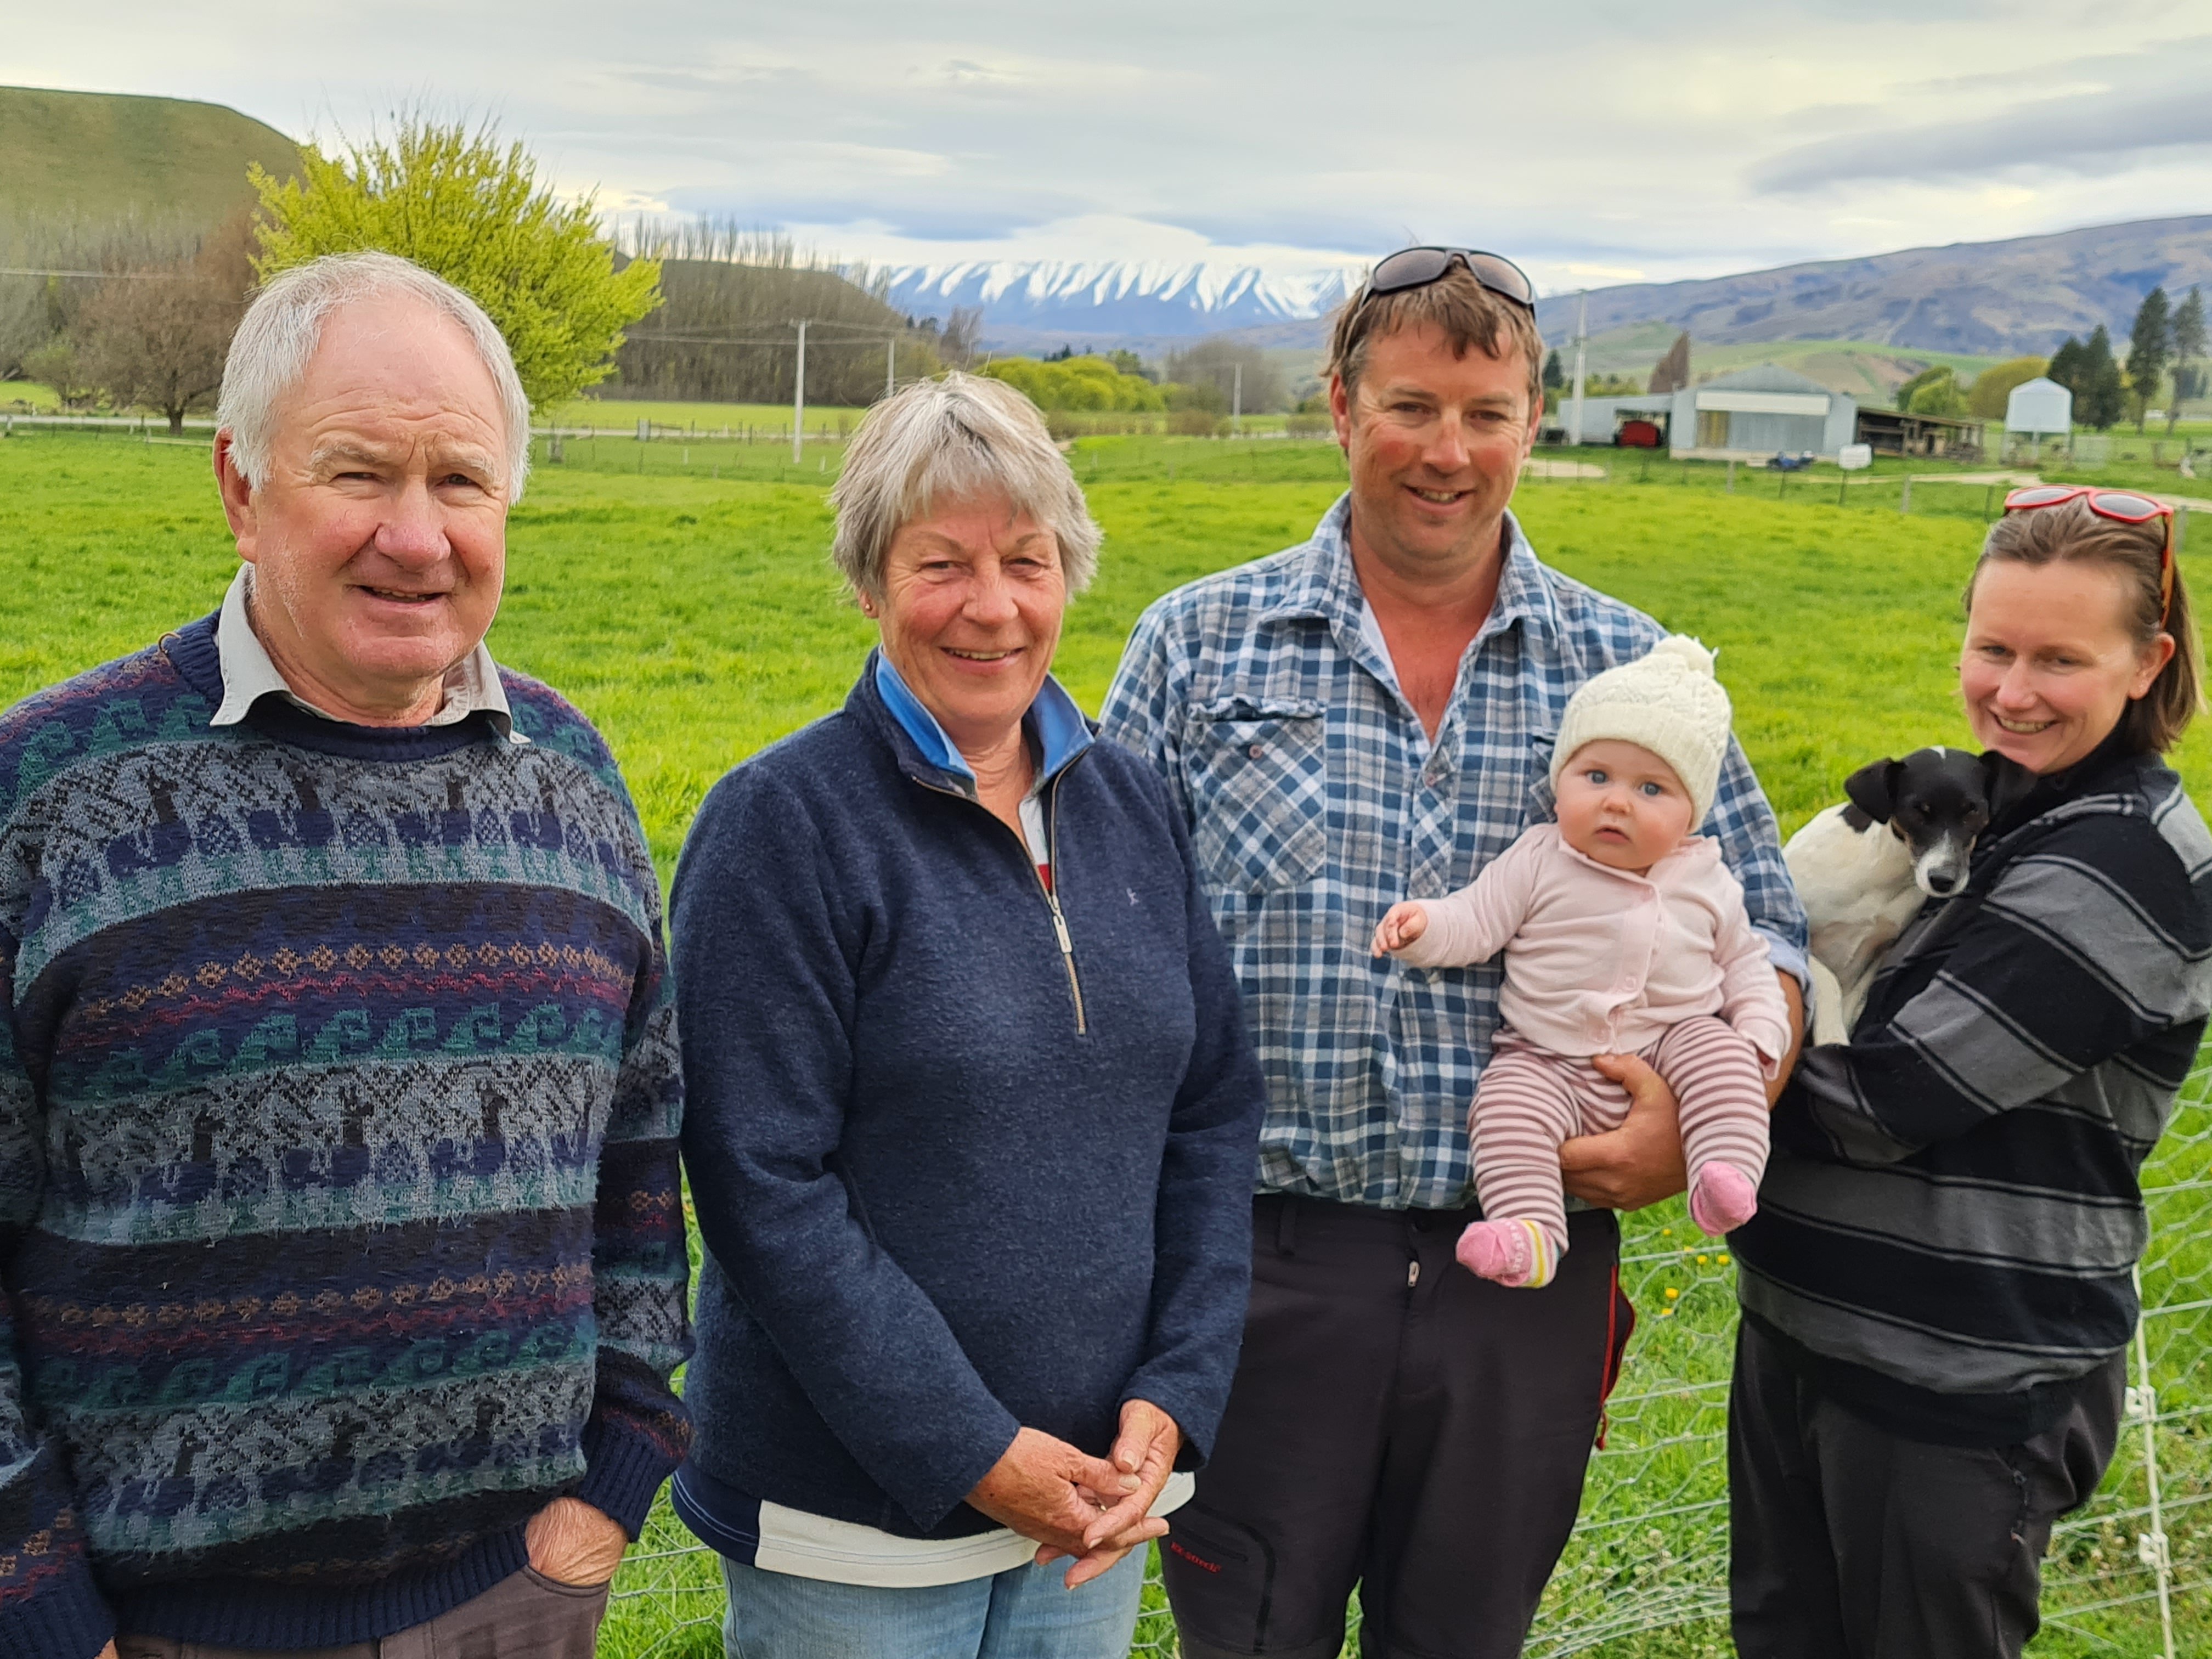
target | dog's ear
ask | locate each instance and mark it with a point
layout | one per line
(1873, 788)
(2007, 782)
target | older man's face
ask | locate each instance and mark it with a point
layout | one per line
(380, 540)
(1435, 444)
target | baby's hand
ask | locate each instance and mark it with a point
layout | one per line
(1404, 924)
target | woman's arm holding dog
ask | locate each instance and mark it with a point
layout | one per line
(2086, 947)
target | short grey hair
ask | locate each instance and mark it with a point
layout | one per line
(284, 324)
(939, 440)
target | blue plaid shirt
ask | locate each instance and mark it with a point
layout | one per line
(1315, 801)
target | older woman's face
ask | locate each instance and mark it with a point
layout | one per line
(970, 614)
(2049, 664)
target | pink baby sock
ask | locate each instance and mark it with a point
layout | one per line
(1516, 1254)
(1722, 1198)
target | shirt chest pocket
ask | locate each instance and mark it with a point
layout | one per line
(1258, 775)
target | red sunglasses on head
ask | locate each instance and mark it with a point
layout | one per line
(2121, 505)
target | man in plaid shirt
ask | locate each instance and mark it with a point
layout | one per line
(1363, 718)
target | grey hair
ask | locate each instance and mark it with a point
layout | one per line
(941, 440)
(284, 324)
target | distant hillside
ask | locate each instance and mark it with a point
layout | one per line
(1972, 299)
(1990, 299)
(107, 155)
(1867, 370)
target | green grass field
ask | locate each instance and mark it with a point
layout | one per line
(695, 618)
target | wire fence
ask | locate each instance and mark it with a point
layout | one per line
(1646, 1576)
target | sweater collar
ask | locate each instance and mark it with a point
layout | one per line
(2098, 770)
(1054, 723)
(193, 651)
(472, 686)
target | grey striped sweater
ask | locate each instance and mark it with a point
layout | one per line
(1947, 1227)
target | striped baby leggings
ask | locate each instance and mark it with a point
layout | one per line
(1529, 1099)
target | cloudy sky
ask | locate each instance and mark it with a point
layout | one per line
(1598, 142)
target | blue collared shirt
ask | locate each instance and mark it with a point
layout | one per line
(1053, 719)
(1315, 801)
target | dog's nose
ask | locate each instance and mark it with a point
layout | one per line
(1941, 882)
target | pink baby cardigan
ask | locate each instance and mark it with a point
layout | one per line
(1602, 960)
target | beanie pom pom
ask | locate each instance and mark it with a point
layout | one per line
(1688, 655)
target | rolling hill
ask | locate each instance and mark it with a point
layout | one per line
(1988, 299)
(111, 155)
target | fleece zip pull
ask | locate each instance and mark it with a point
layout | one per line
(1049, 891)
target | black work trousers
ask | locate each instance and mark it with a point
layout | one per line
(1398, 1424)
(1849, 1542)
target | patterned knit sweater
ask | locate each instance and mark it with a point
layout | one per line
(338, 1191)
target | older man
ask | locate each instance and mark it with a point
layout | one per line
(339, 1107)
(1362, 718)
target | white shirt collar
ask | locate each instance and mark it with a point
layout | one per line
(473, 685)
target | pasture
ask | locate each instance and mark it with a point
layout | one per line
(693, 617)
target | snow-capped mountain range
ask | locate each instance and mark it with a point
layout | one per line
(1117, 298)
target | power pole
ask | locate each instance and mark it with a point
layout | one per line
(1581, 333)
(890, 364)
(1236, 403)
(799, 400)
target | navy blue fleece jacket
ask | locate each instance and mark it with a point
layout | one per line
(953, 1182)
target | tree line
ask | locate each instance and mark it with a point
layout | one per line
(2166, 346)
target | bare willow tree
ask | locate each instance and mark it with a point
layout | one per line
(1672, 371)
(727, 331)
(62, 259)
(156, 336)
(1211, 364)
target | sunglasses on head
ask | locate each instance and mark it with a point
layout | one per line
(2121, 506)
(1417, 267)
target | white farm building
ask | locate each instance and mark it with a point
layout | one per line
(1758, 412)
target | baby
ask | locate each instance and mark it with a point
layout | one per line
(1623, 933)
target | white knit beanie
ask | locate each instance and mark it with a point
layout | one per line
(1667, 701)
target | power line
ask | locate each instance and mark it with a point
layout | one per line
(138, 276)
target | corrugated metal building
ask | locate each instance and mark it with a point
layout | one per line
(1758, 412)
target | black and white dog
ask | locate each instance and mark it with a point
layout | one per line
(1864, 869)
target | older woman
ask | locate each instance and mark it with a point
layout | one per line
(971, 1115)
(1937, 1289)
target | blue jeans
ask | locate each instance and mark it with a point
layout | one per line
(1024, 1613)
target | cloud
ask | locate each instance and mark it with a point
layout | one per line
(1609, 137)
(2091, 135)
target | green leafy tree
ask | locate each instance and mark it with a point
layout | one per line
(459, 203)
(1940, 395)
(1993, 386)
(2150, 348)
(2101, 396)
(1555, 377)
(1057, 383)
(2187, 332)
(1927, 377)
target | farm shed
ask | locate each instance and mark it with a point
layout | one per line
(2039, 406)
(1893, 432)
(1603, 418)
(1758, 412)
